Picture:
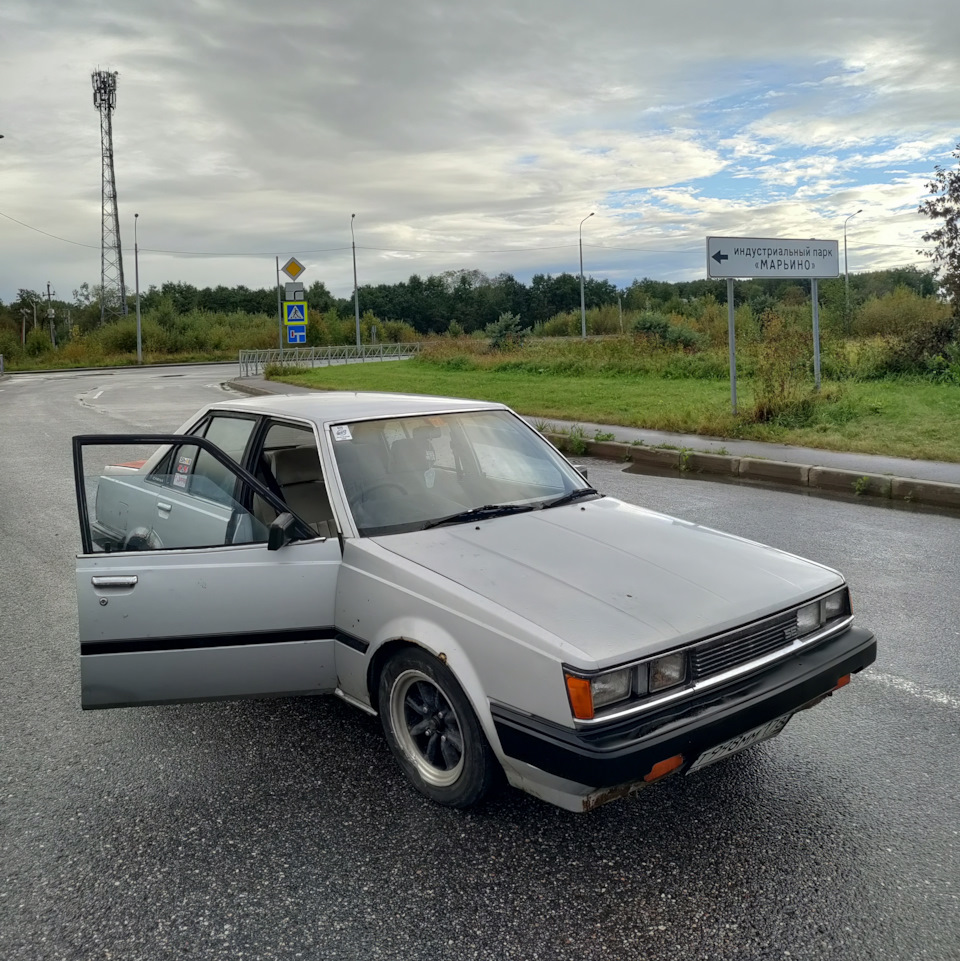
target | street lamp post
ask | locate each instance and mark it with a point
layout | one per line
(583, 309)
(136, 276)
(846, 264)
(356, 290)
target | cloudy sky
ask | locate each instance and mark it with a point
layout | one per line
(467, 134)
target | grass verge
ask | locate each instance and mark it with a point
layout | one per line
(899, 418)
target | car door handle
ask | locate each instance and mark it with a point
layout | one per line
(164, 506)
(114, 580)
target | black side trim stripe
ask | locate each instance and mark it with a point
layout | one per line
(355, 643)
(186, 642)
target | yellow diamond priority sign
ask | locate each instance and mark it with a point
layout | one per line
(293, 268)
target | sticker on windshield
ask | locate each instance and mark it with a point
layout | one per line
(342, 432)
(180, 480)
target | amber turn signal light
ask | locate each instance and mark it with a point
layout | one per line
(581, 700)
(843, 682)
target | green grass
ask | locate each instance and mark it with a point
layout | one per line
(901, 418)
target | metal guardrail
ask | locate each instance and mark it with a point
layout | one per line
(252, 362)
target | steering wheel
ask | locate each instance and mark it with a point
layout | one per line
(385, 485)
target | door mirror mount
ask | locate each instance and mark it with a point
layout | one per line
(281, 531)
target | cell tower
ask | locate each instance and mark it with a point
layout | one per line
(113, 299)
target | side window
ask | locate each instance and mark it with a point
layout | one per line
(231, 435)
(139, 498)
(289, 464)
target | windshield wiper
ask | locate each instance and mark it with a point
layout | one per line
(479, 513)
(570, 496)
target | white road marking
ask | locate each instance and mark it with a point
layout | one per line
(909, 687)
(97, 394)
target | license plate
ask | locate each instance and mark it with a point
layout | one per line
(738, 743)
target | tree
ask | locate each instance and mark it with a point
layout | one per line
(943, 206)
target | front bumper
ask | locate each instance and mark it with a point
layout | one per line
(625, 752)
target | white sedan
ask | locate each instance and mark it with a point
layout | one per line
(438, 563)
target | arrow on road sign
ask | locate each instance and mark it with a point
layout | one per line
(719, 258)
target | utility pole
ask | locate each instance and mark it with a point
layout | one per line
(136, 274)
(583, 309)
(356, 289)
(53, 334)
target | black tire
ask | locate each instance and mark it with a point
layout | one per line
(433, 732)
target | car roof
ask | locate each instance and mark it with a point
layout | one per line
(331, 407)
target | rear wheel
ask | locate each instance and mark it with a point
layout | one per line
(433, 732)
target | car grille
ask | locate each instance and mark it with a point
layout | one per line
(740, 647)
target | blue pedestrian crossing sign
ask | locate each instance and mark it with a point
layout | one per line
(296, 333)
(294, 312)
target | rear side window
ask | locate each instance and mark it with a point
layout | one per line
(231, 435)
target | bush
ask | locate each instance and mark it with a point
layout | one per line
(783, 389)
(926, 347)
(9, 346)
(560, 325)
(505, 333)
(119, 337)
(38, 342)
(897, 313)
(659, 329)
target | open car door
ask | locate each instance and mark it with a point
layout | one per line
(194, 581)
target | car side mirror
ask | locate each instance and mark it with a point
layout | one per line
(280, 531)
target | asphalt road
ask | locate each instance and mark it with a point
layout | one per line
(282, 829)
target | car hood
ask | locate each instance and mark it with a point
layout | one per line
(614, 580)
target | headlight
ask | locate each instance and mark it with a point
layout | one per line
(810, 617)
(610, 688)
(836, 605)
(667, 671)
(588, 694)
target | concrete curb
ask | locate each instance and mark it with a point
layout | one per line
(878, 488)
(248, 389)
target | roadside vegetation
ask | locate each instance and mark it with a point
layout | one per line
(882, 392)
(890, 360)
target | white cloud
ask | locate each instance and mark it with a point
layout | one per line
(460, 127)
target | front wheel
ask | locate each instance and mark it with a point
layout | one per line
(433, 732)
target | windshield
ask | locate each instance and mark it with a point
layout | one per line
(409, 473)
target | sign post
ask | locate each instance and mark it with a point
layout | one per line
(293, 311)
(732, 342)
(771, 257)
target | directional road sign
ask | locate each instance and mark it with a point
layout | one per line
(296, 333)
(772, 257)
(294, 312)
